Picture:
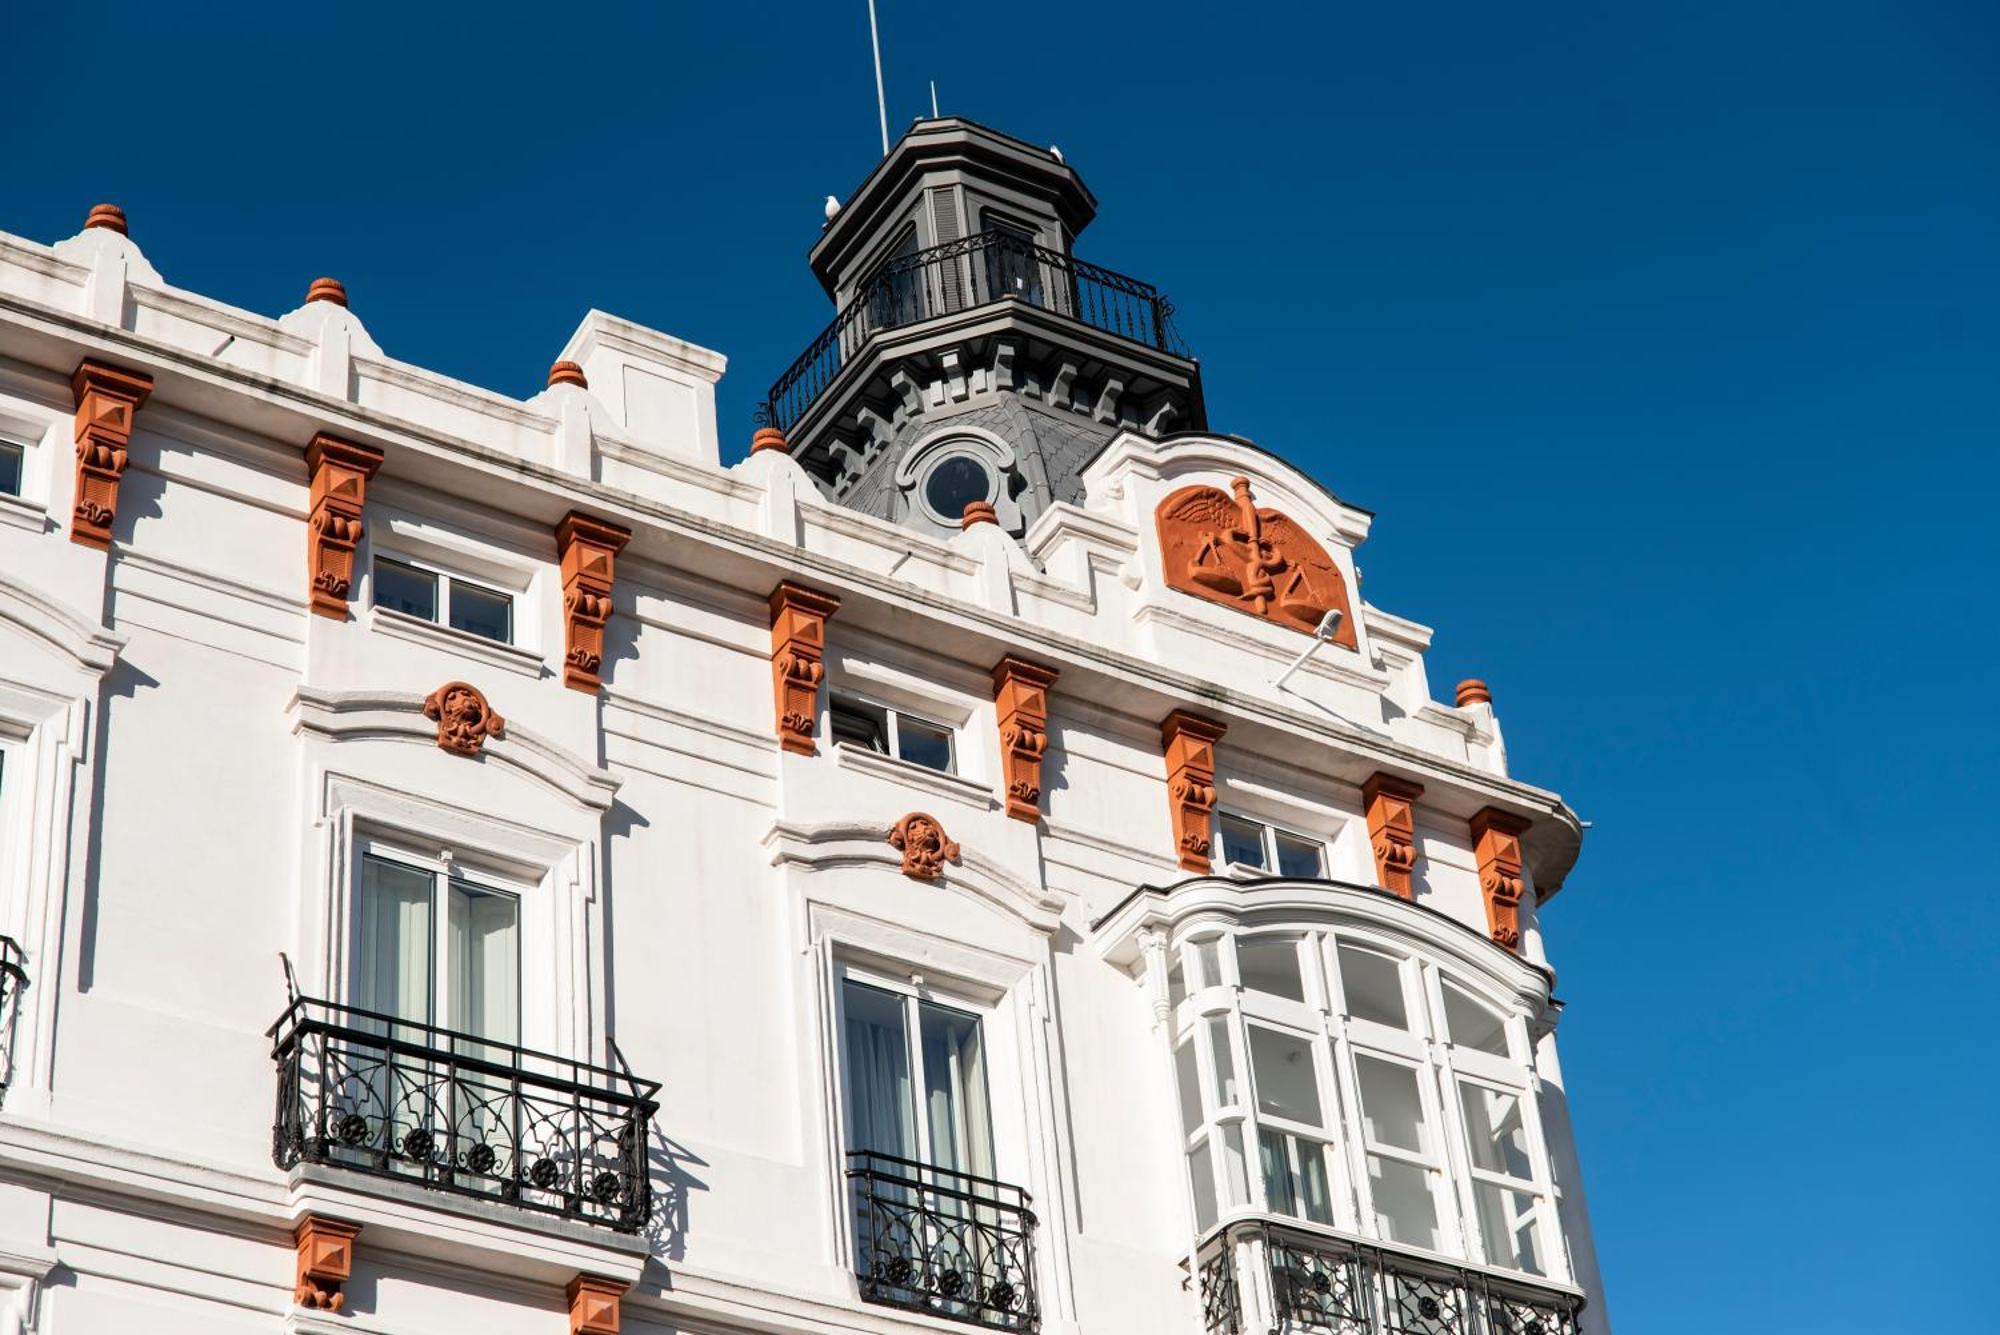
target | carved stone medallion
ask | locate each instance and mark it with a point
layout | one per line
(463, 717)
(924, 845)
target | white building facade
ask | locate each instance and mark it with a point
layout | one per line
(976, 863)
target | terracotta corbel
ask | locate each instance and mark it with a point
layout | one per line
(798, 646)
(340, 470)
(326, 1261)
(1021, 698)
(588, 548)
(1189, 741)
(593, 1305)
(107, 401)
(1392, 830)
(1496, 843)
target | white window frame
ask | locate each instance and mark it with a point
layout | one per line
(914, 989)
(892, 717)
(446, 578)
(1267, 836)
(10, 444)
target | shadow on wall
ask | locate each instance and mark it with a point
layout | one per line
(670, 1163)
(124, 681)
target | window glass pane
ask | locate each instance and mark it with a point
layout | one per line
(1493, 1126)
(1224, 1056)
(1208, 962)
(1202, 1177)
(1470, 1024)
(404, 588)
(392, 957)
(1507, 1222)
(956, 482)
(879, 1095)
(1315, 1193)
(1189, 1085)
(1299, 857)
(1374, 987)
(1176, 979)
(1278, 1193)
(485, 963)
(1404, 1210)
(1300, 1191)
(955, 1104)
(10, 468)
(1242, 841)
(1391, 1108)
(1270, 964)
(1235, 1171)
(1287, 1085)
(924, 744)
(857, 724)
(483, 612)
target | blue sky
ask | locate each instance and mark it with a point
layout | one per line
(1662, 338)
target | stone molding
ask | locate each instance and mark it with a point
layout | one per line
(798, 651)
(107, 401)
(1021, 698)
(1189, 742)
(589, 549)
(1496, 843)
(1392, 830)
(340, 470)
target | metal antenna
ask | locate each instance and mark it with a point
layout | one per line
(934, 110)
(881, 103)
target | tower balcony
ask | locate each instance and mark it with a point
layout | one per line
(1258, 1275)
(964, 276)
(452, 1112)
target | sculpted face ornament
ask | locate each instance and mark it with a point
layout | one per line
(924, 845)
(1221, 547)
(463, 717)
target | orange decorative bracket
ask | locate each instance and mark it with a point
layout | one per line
(1021, 696)
(1218, 545)
(340, 470)
(588, 548)
(798, 646)
(463, 717)
(1496, 843)
(593, 1305)
(1190, 741)
(924, 845)
(1392, 830)
(107, 401)
(326, 1261)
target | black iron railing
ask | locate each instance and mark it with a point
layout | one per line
(945, 1243)
(958, 276)
(1320, 1283)
(13, 978)
(458, 1113)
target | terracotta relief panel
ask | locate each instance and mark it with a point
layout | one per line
(1190, 741)
(107, 402)
(1218, 545)
(798, 648)
(589, 548)
(593, 1305)
(326, 1261)
(463, 717)
(924, 845)
(1496, 843)
(1392, 830)
(340, 470)
(1021, 698)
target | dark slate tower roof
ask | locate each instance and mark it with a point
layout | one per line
(972, 356)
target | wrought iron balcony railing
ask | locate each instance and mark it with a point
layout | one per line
(13, 978)
(1265, 1276)
(961, 275)
(454, 1112)
(944, 1243)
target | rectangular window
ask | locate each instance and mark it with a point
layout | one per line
(891, 732)
(1295, 1178)
(1503, 1186)
(466, 978)
(11, 458)
(1252, 843)
(1271, 964)
(435, 596)
(1470, 1023)
(900, 1050)
(1397, 1137)
(1373, 984)
(1287, 1083)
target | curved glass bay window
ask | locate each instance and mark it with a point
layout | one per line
(1337, 1078)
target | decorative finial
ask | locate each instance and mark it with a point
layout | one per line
(327, 289)
(769, 438)
(1472, 691)
(567, 373)
(107, 216)
(978, 512)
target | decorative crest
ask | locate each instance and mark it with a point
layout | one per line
(924, 845)
(1221, 547)
(463, 717)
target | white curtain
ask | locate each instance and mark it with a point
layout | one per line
(955, 1104)
(878, 1073)
(392, 961)
(485, 963)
